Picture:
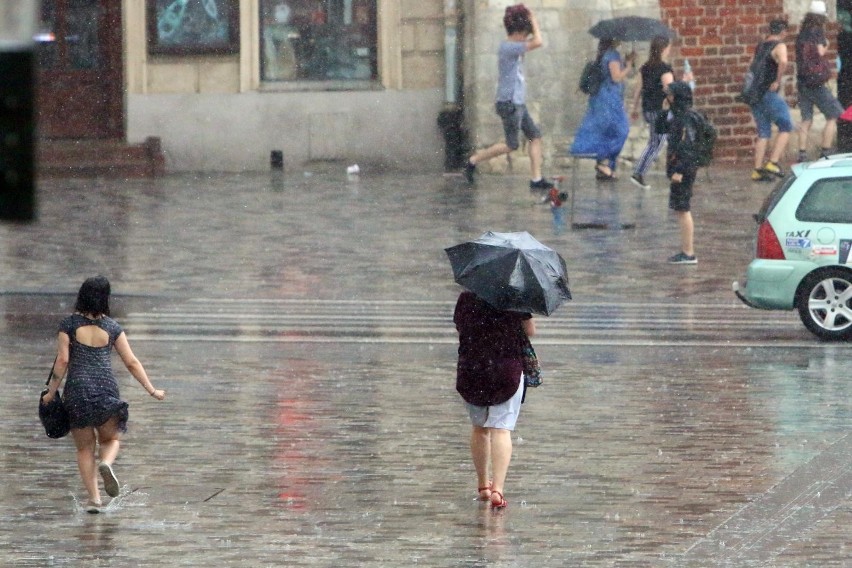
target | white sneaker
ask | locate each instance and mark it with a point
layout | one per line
(639, 181)
(110, 481)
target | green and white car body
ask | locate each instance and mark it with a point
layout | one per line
(803, 258)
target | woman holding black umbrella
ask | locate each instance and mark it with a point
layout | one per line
(508, 277)
(490, 380)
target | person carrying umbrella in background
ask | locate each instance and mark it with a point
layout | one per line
(523, 35)
(605, 126)
(508, 276)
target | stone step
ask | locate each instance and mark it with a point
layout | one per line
(110, 158)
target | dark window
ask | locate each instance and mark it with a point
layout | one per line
(774, 197)
(318, 40)
(827, 201)
(82, 38)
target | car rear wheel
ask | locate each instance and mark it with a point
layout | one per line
(824, 301)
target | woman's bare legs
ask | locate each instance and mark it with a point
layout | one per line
(501, 455)
(480, 449)
(491, 446)
(85, 442)
(535, 152)
(108, 437)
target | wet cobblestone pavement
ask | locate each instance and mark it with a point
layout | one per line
(301, 326)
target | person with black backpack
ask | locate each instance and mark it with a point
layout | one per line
(605, 126)
(812, 72)
(690, 146)
(767, 105)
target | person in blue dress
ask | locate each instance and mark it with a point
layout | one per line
(605, 126)
(98, 415)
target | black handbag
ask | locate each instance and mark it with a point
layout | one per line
(53, 415)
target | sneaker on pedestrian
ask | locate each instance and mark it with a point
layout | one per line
(774, 169)
(541, 184)
(639, 180)
(760, 175)
(110, 481)
(683, 258)
(469, 172)
(93, 508)
(803, 156)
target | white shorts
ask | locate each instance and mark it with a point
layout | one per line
(503, 415)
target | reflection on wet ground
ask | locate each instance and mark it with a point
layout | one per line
(302, 331)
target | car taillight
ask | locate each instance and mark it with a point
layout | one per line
(768, 245)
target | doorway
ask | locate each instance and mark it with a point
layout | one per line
(79, 60)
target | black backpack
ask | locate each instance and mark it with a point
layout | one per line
(754, 82)
(699, 139)
(591, 78)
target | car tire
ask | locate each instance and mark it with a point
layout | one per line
(824, 301)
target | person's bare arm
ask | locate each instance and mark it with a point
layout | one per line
(535, 41)
(122, 346)
(779, 54)
(529, 327)
(59, 367)
(619, 72)
(637, 95)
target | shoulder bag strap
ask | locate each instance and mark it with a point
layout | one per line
(50, 374)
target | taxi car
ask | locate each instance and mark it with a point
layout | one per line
(802, 258)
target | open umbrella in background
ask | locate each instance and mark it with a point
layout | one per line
(631, 28)
(511, 271)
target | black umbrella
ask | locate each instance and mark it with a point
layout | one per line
(511, 271)
(630, 28)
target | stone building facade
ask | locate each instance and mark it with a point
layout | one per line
(218, 112)
(361, 81)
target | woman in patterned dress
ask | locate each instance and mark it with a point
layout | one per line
(98, 416)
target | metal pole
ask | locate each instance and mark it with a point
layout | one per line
(450, 51)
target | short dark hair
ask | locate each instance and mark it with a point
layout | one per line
(93, 297)
(517, 19)
(777, 26)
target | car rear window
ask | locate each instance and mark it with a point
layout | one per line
(774, 197)
(827, 201)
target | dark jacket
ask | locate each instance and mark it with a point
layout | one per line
(673, 122)
(490, 364)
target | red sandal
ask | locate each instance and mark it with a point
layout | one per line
(501, 504)
(486, 488)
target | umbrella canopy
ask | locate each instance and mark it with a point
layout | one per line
(511, 271)
(630, 28)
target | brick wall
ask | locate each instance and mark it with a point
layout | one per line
(718, 38)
